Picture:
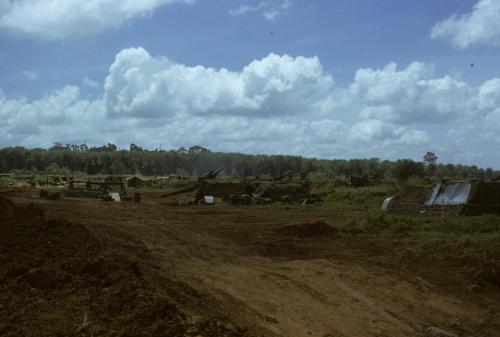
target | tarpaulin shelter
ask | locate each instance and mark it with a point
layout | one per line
(450, 197)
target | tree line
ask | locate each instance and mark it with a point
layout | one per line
(109, 160)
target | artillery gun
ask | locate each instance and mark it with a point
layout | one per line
(283, 176)
(198, 187)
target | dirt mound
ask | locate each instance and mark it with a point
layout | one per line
(414, 194)
(485, 193)
(6, 208)
(57, 279)
(224, 190)
(316, 229)
(276, 191)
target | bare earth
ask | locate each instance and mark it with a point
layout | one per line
(280, 271)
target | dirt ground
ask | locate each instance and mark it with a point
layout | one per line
(92, 268)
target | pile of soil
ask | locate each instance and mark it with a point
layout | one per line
(485, 193)
(276, 191)
(224, 190)
(316, 229)
(56, 279)
(7, 208)
(414, 195)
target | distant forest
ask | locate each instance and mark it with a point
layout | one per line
(83, 160)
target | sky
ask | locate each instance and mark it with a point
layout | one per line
(319, 78)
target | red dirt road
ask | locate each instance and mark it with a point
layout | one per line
(248, 269)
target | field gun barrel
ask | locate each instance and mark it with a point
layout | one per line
(184, 190)
(213, 174)
(284, 175)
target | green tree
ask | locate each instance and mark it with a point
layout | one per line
(117, 167)
(405, 168)
(430, 160)
(53, 168)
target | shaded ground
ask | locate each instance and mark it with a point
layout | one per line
(126, 269)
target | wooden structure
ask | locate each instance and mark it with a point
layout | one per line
(138, 181)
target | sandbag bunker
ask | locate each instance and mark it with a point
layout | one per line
(447, 197)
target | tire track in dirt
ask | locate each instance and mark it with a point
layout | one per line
(320, 298)
(214, 251)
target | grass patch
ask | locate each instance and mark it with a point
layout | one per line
(363, 198)
(459, 229)
(477, 245)
(178, 184)
(461, 237)
(383, 223)
(7, 182)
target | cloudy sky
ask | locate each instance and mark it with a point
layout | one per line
(325, 78)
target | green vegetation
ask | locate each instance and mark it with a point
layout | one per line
(6, 181)
(363, 198)
(108, 159)
(474, 241)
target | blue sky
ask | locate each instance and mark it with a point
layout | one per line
(333, 79)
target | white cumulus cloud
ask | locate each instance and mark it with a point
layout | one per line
(90, 82)
(411, 95)
(55, 116)
(489, 94)
(480, 27)
(372, 130)
(271, 14)
(269, 10)
(276, 104)
(141, 85)
(31, 75)
(246, 9)
(59, 19)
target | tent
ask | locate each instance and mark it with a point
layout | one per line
(453, 193)
(138, 181)
(451, 197)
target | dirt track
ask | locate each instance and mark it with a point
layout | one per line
(265, 272)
